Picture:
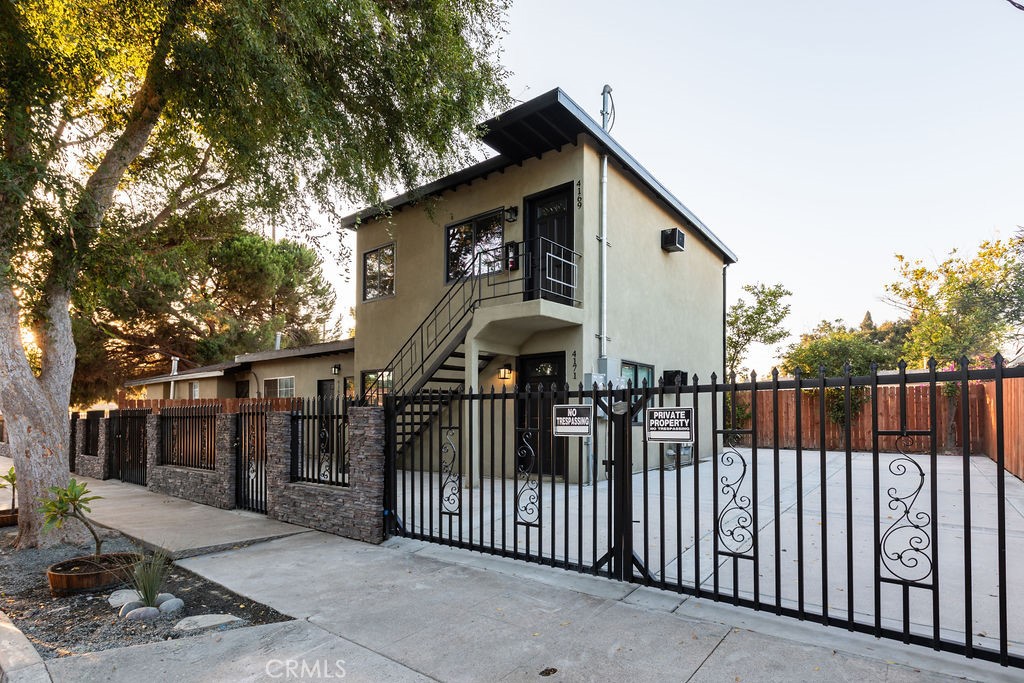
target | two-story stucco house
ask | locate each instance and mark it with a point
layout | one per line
(561, 259)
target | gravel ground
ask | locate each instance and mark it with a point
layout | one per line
(86, 622)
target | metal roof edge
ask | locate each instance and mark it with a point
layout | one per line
(161, 379)
(592, 128)
(468, 174)
(627, 159)
(323, 349)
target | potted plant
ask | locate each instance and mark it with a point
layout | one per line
(88, 572)
(9, 517)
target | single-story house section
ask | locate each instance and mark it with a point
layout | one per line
(325, 369)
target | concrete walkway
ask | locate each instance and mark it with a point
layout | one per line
(180, 527)
(414, 611)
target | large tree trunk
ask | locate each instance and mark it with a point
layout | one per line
(36, 414)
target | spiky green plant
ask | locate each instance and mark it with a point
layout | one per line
(149, 576)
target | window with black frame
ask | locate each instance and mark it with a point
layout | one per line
(474, 246)
(637, 374)
(379, 272)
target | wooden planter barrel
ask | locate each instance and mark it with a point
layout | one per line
(8, 517)
(90, 572)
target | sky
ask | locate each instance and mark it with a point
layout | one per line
(816, 138)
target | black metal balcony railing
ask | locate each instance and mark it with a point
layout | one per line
(538, 269)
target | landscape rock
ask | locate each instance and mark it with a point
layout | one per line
(143, 614)
(200, 621)
(161, 598)
(172, 605)
(128, 607)
(120, 597)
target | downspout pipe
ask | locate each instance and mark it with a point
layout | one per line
(174, 371)
(602, 234)
(725, 330)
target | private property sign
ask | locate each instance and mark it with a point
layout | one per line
(573, 420)
(674, 425)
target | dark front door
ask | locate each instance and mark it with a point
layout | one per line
(537, 451)
(549, 246)
(325, 387)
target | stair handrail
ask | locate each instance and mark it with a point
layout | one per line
(372, 394)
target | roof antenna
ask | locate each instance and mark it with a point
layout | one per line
(607, 109)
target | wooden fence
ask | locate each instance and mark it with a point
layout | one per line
(227, 405)
(1013, 430)
(981, 397)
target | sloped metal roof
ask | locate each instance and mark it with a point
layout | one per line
(547, 122)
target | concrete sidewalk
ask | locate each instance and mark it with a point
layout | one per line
(414, 611)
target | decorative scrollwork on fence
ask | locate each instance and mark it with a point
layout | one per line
(735, 521)
(527, 497)
(324, 459)
(904, 544)
(451, 478)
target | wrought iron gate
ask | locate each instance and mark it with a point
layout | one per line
(772, 509)
(126, 445)
(251, 460)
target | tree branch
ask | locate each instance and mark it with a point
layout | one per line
(178, 204)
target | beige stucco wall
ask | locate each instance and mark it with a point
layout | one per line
(418, 233)
(664, 308)
(306, 372)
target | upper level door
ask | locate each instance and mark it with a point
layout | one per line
(549, 251)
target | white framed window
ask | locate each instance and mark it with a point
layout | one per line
(193, 390)
(279, 387)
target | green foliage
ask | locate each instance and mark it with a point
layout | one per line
(149, 576)
(11, 480)
(201, 288)
(832, 345)
(964, 306)
(833, 348)
(69, 502)
(160, 114)
(759, 321)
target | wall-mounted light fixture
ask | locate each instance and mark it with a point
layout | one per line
(336, 369)
(511, 214)
(505, 372)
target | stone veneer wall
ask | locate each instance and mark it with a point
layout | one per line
(354, 511)
(210, 487)
(94, 464)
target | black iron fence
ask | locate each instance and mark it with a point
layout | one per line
(126, 445)
(843, 538)
(92, 432)
(251, 445)
(320, 440)
(188, 436)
